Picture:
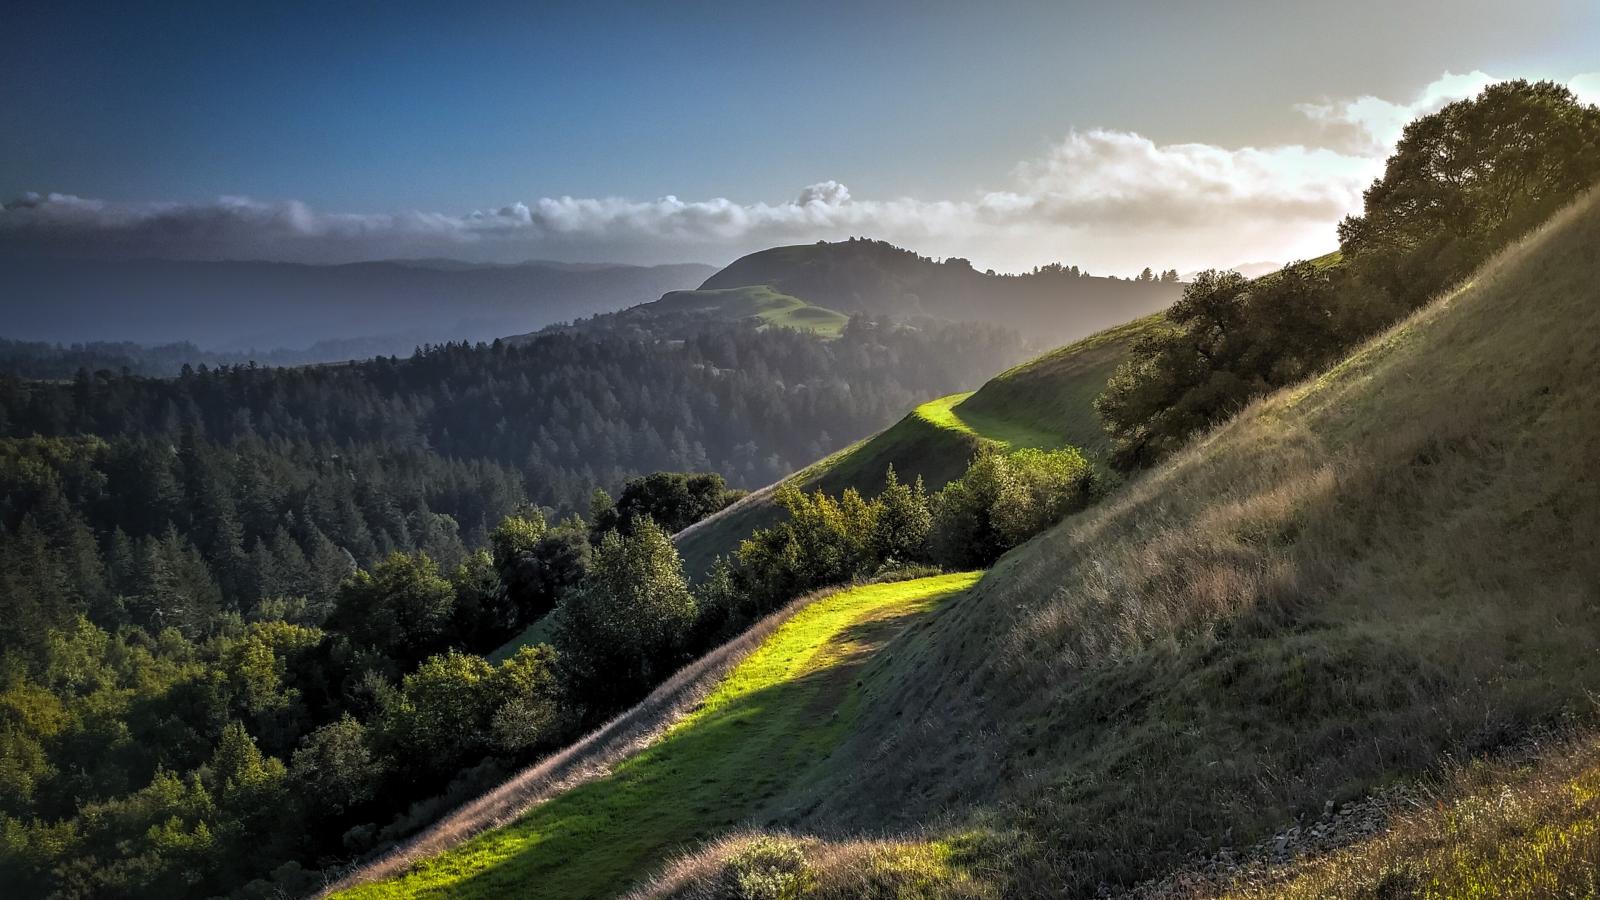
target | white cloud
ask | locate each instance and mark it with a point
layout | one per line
(1375, 124)
(1113, 198)
(1587, 87)
(1105, 176)
(1114, 201)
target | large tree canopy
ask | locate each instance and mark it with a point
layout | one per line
(1468, 179)
(1462, 183)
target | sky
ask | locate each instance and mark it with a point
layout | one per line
(1106, 135)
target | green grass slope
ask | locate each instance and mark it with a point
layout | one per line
(761, 738)
(1354, 580)
(752, 301)
(1055, 393)
(1044, 403)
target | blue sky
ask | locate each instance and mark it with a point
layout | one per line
(371, 118)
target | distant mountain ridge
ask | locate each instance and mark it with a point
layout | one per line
(235, 305)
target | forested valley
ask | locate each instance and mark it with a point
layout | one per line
(250, 595)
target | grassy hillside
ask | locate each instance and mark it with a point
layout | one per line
(1352, 581)
(1044, 403)
(1505, 830)
(752, 301)
(878, 278)
(1055, 393)
(747, 752)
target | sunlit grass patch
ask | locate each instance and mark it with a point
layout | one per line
(779, 713)
(758, 301)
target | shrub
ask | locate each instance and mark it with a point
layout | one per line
(767, 868)
(1005, 499)
(1227, 340)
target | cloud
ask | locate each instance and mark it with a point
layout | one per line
(1587, 87)
(1112, 200)
(1374, 124)
(1090, 185)
(1116, 177)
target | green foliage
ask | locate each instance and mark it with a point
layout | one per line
(1046, 402)
(767, 868)
(434, 721)
(537, 563)
(335, 763)
(623, 627)
(902, 522)
(1468, 180)
(529, 702)
(484, 610)
(1004, 499)
(1225, 342)
(673, 500)
(515, 536)
(259, 666)
(456, 707)
(402, 608)
(1462, 184)
(824, 541)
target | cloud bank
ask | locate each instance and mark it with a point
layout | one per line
(1112, 200)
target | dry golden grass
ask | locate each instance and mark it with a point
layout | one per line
(1519, 832)
(763, 865)
(1355, 580)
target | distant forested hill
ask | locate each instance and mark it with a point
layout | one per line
(867, 276)
(547, 420)
(237, 305)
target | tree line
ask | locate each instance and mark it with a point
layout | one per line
(1463, 183)
(567, 412)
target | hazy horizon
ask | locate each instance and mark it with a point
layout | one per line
(1016, 136)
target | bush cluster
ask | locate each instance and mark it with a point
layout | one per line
(1000, 501)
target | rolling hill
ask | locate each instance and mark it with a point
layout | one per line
(758, 302)
(1352, 582)
(877, 278)
(1043, 403)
